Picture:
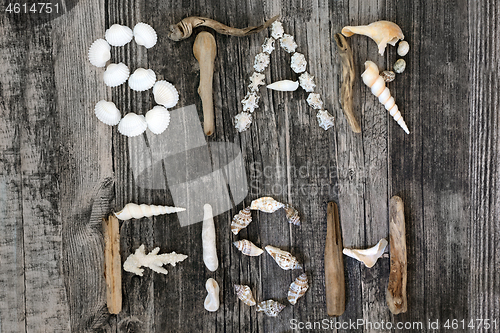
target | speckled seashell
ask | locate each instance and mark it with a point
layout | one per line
(248, 248)
(132, 125)
(288, 44)
(256, 80)
(145, 35)
(99, 53)
(261, 62)
(250, 102)
(270, 307)
(243, 120)
(244, 293)
(298, 63)
(399, 66)
(142, 79)
(165, 94)
(241, 220)
(388, 76)
(116, 74)
(306, 81)
(283, 258)
(158, 119)
(107, 112)
(284, 85)
(266, 205)
(298, 288)
(119, 35)
(277, 30)
(314, 100)
(403, 48)
(292, 215)
(268, 46)
(325, 119)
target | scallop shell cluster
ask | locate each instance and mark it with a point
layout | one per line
(283, 258)
(298, 288)
(248, 248)
(241, 220)
(244, 293)
(270, 307)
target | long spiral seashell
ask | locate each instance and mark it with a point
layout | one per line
(244, 293)
(372, 79)
(248, 248)
(283, 258)
(241, 220)
(132, 210)
(298, 288)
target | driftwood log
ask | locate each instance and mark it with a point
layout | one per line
(112, 263)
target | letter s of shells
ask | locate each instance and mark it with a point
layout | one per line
(241, 220)
(266, 205)
(372, 79)
(270, 307)
(212, 300)
(368, 256)
(298, 288)
(244, 293)
(382, 32)
(292, 215)
(283, 258)
(248, 248)
(132, 210)
(208, 239)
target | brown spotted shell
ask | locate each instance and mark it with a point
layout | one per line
(298, 288)
(244, 293)
(283, 258)
(270, 307)
(388, 76)
(266, 205)
(241, 220)
(292, 215)
(248, 248)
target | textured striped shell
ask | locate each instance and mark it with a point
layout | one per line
(142, 79)
(119, 35)
(241, 220)
(270, 307)
(283, 258)
(145, 35)
(248, 248)
(298, 288)
(266, 205)
(116, 74)
(292, 215)
(244, 293)
(132, 125)
(99, 53)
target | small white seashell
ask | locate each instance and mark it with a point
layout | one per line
(268, 46)
(243, 121)
(248, 248)
(132, 125)
(325, 119)
(399, 66)
(287, 43)
(403, 48)
(266, 205)
(132, 210)
(107, 112)
(241, 220)
(368, 256)
(298, 288)
(277, 30)
(99, 53)
(261, 62)
(152, 260)
(256, 80)
(165, 94)
(283, 258)
(145, 35)
(250, 102)
(314, 100)
(119, 35)
(298, 63)
(158, 119)
(209, 239)
(116, 74)
(244, 293)
(212, 300)
(142, 79)
(270, 307)
(306, 81)
(285, 85)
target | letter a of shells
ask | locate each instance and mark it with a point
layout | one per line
(241, 220)
(132, 210)
(298, 288)
(382, 32)
(266, 205)
(283, 258)
(248, 248)
(212, 300)
(270, 307)
(244, 293)
(368, 256)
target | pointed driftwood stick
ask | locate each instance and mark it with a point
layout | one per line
(334, 263)
(112, 263)
(396, 290)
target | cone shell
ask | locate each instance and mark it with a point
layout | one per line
(142, 79)
(244, 293)
(158, 119)
(270, 307)
(116, 74)
(132, 125)
(132, 210)
(165, 94)
(266, 205)
(298, 288)
(285, 85)
(283, 258)
(292, 215)
(99, 53)
(248, 248)
(107, 112)
(241, 220)
(118, 35)
(145, 35)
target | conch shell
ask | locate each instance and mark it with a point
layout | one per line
(284, 259)
(266, 205)
(270, 307)
(248, 248)
(132, 210)
(369, 256)
(372, 79)
(382, 32)
(212, 300)
(298, 288)
(244, 293)
(241, 220)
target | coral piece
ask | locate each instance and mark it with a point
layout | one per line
(270, 307)
(298, 288)
(261, 62)
(212, 300)
(283, 258)
(152, 260)
(292, 215)
(132, 210)
(298, 63)
(287, 43)
(325, 119)
(284, 85)
(244, 293)
(277, 30)
(241, 220)
(314, 100)
(368, 256)
(266, 205)
(248, 248)
(306, 81)
(209, 240)
(256, 80)
(250, 102)
(382, 32)
(268, 46)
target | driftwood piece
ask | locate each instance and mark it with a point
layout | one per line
(184, 28)
(112, 263)
(348, 76)
(396, 290)
(334, 264)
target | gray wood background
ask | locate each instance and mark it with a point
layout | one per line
(61, 169)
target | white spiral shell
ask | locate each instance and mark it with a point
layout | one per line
(107, 112)
(283, 258)
(142, 79)
(116, 74)
(298, 288)
(244, 293)
(248, 248)
(165, 94)
(99, 53)
(132, 125)
(119, 35)
(284, 85)
(158, 119)
(145, 35)
(132, 210)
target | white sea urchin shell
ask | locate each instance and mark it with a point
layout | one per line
(250, 102)
(116, 74)
(107, 112)
(132, 125)
(277, 30)
(165, 94)
(145, 35)
(314, 100)
(99, 53)
(243, 121)
(158, 119)
(119, 35)
(325, 119)
(298, 63)
(268, 46)
(306, 81)
(142, 79)
(261, 62)
(288, 44)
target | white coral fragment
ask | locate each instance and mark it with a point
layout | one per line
(268, 46)
(298, 63)
(261, 62)
(256, 80)
(306, 81)
(325, 119)
(243, 121)
(314, 100)
(288, 44)
(369, 256)
(250, 102)
(277, 30)
(152, 260)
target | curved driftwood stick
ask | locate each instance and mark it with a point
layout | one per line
(334, 263)
(347, 81)
(184, 28)
(112, 263)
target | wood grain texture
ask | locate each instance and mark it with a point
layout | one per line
(334, 263)
(112, 264)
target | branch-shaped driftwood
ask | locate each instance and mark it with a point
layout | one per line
(334, 263)
(396, 290)
(347, 81)
(112, 263)
(184, 28)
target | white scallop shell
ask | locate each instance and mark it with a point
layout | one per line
(298, 63)
(165, 94)
(306, 81)
(277, 30)
(325, 119)
(132, 125)
(284, 85)
(107, 112)
(145, 35)
(116, 74)
(158, 119)
(118, 35)
(288, 43)
(403, 48)
(99, 53)
(142, 79)
(242, 121)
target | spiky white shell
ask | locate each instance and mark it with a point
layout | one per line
(250, 102)
(403, 48)
(368, 256)
(142, 79)
(132, 210)
(107, 112)
(241, 220)
(248, 248)
(261, 62)
(99, 53)
(277, 30)
(145, 35)
(270, 307)
(158, 119)
(243, 121)
(212, 300)
(298, 63)
(165, 94)
(268, 46)
(151, 260)
(325, 119)
(298, 288)
(266, 205)
(306, 81)
(284, 85)
(244, 293)
(314, 100)
(116, 74)
(256, 80)
(132, 125)
(118, 35)
(288, 44)
(283, 258)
